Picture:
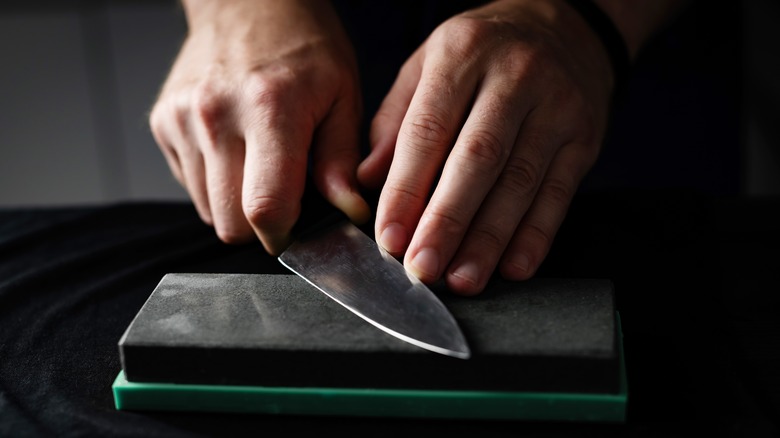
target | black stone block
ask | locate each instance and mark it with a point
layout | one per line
(278, 330)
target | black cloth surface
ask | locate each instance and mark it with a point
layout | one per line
(695, 277)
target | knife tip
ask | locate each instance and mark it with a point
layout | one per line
(460, 352)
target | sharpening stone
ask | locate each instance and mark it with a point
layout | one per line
(545, 349)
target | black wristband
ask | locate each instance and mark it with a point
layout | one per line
(610, 36)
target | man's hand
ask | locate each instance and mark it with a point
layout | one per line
(255, 86)
(499, 114)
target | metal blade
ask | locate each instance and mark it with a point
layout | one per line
(348, 266)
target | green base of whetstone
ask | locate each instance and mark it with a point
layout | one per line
(368, 402)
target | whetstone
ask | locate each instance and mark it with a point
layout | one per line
(277, 330)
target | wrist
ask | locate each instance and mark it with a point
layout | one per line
(204, 12)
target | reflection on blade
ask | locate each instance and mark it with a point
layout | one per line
(351, 268)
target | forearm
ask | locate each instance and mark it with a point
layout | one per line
(639, 20)
(294, 15)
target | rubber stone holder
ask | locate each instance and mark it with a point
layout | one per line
(277, 330)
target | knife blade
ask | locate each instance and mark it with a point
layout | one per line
(344, 263)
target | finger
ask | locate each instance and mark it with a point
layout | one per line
(171, 157)
(215, 130)
(224, 177)
(505, 205)
(174, 164)
(194, 176)
(385, 125)
(336, 157)
(193, 180)
(224, 165)
(424, 139)
(531, 241)
(471, 170)
(191, 162)
(171, 126)
(277, 145)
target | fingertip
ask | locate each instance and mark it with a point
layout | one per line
(204, 213)
(276, 245)
(465, 279)
(235, 236)
(517, 267)
(394, 238)
(272, 220)
(354, 206)
(425, 265)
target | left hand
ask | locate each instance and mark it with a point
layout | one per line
(508, 103)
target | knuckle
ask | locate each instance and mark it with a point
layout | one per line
(404, 193)
(266, 212)
(489, 237)
(269, 91)
(530, 61)
(210, 106)
(157, 122)
(428, 131)
(520, 176)
(537, 235)
(485, 149)
(446, 220)
(231, 235)
(181, 118)
(557, 191)
(535, 54)
(168, 118)
(518, 60)
(462, 35)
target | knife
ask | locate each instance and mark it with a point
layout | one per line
(344, 263)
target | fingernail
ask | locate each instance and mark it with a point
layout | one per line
(520, 262)
(277, 244)
(426, 264)
(354, 206)
(393, 238)
(468, 272)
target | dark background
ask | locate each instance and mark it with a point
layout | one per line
(80, 77)
(680, 122)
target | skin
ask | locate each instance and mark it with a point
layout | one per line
(478, 147)
(245, 103)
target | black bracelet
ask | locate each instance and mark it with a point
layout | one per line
(610, 36)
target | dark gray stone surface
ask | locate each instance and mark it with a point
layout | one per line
(542, 334)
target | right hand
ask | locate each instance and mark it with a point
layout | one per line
(255, 86)
(498, 116)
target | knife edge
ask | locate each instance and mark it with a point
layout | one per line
(463, 353)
